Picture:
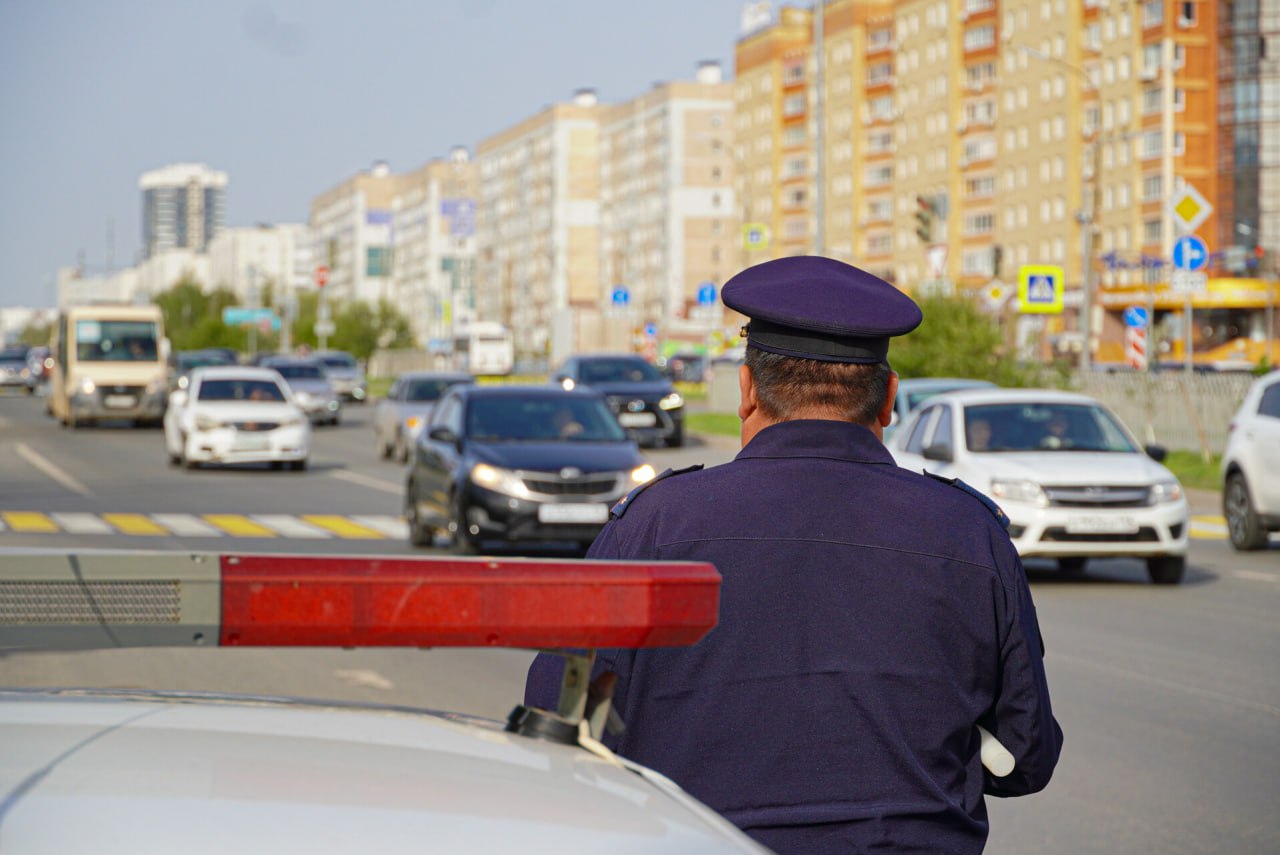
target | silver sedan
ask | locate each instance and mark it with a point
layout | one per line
(399, 418)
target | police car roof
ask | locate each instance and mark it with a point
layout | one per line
(972, 397)
(127, 773)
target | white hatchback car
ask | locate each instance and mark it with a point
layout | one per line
(1251, 466)
(1072, 479)
(236, 414)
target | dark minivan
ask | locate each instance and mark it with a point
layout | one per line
(645, 402)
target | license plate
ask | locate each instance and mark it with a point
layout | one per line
(250, 442)
(118, 400)
(573, 513)
(1102, 525)
(637, 419)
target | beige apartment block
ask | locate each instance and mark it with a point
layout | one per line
(433, 222)
(669, 218)
(538, 230)
(351, 226)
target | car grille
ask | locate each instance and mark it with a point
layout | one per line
(135, 391)
(585, 485)
(1146, 534)
(255, 427)
(629, 404)
(1098, 497)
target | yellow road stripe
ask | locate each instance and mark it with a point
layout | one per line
(134, 524)
(238, 526)
(343, 527)
(29, 521)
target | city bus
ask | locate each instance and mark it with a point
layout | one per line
(484, 347)
(110, 363)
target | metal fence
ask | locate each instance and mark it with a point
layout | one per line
(1179, 411)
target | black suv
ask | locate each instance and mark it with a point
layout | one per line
(645, 402)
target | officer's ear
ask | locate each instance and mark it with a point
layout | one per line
(886, 410)
(747, 390)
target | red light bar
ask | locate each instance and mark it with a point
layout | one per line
(305, 601)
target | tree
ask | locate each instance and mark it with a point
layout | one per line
(36, 333)
(957, 340)
(193, 319)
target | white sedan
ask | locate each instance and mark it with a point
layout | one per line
(236, 414)
(1072, 479)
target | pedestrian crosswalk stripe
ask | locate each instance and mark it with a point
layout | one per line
(29, 521)
(136, 524)
(82, 524)
(1207, 527)
(238, 526)
(288, 526)
(306, 526)
(390, 526)
(186, 525)
(343, 527)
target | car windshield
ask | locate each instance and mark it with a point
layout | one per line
(300, 372)
(427, 390)
(542, 419)
(1044, 427)
(115, 341)
(264, 391)
(338, 360)
(189, 362)
(618, 371)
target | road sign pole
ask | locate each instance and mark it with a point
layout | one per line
(1187, 336)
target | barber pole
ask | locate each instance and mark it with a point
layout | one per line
(1135, 347)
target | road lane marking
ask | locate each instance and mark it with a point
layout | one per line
(30, 521)
(135, 524)
(290, 526)
(1207, 527)
(186, 525)
(82, 524)
(367, 481)
(49, 468)
(237, 525)
(1255, 576)
(394, 527)
(343, 527)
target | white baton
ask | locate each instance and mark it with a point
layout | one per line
(995, 757)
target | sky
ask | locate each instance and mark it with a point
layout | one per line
(288, 97)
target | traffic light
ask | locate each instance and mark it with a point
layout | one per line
(924, 219)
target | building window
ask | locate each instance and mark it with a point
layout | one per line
(1151, 232)
(793, 105)
(377, 261)
(1186, 14)
(979, 224)
(793, 135)
(1152, 13)
(879, 40)
(1152, 188)
(980, 37)
(981, 186)
(793, 72)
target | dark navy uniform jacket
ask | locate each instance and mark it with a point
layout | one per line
(870, 617)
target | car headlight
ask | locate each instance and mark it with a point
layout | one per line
(332, 404)
(568, 384)
(304, 397)
(86, 386)
(208, 423)
(1020, 491)
(643, 474)
(499, 480)
(671, 402)
(1164, 491)
(184, 381)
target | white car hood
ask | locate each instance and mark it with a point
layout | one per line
(150, 774)
(1065, 468)
(240, 411)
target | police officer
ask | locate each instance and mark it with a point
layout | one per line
(871, 618)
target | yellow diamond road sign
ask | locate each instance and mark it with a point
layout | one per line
(1189, 209)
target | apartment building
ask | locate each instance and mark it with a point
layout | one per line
(183, 207)
(434, 230)
(351, 231)
(252, 259)
(538, 230)
(669, 219)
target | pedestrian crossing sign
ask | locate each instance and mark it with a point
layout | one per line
(1040, 289)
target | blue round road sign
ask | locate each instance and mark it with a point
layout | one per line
(706, 294)
(1190, 253)
(1135, 316)
(621, 296)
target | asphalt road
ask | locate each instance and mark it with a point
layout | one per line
(1169, 697)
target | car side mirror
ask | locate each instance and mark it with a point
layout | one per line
(444, 434)
(1157, 453)
(940, 451)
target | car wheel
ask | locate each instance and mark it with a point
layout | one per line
(1167, 569)
(1073, 565)
(676, 439)
(420, 534)
(384, 448)
(298, 465)
(1243, 525)
(463, 543)
(402, 452)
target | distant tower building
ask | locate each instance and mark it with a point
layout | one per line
(183, 206)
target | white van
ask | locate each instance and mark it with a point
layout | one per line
(110, 362)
